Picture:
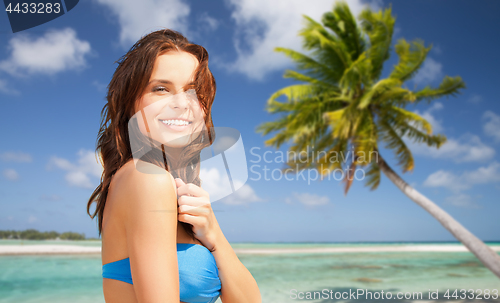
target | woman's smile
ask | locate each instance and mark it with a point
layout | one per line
(176, 125)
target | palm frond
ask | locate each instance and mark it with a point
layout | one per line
(304, 78)
(330, 160)
(404, 116)
(294, 93)
(376, 90)
(379, 27)
(449, 86)
(340, 124)
(365, 139)
(305, 63)
(396, 143)
(418, 136)
(373, 176)
(395, 96)
(303, 122)
(343, 23)
(411, 57)
(278, 125)
(356, 74)
(315, 36)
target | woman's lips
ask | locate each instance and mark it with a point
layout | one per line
(178, 128)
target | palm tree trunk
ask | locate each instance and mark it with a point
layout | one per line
(485, 254)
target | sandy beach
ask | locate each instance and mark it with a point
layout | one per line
(48, 249)
(75, 249)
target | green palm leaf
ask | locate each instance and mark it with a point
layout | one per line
(344, 25)
(411, 57)
(379, 28)
(395, 142)
(449, 87)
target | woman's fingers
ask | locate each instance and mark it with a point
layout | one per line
(192, 201)
(189, 189)
(199, 223)
(193, 210)
(187, 218)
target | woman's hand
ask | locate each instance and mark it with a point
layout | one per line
(238, 285)
(195, 208)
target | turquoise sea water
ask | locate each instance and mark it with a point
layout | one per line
(77, 278)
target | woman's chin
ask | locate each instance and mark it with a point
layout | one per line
(176, 143)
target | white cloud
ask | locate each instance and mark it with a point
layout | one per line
(462, 200)
(427, 115)
(307, 199)
(437, 49)
(428, 72)
(210, 22)
(492, 125)
(458, 183)
(377, 5)
(243, 195)
(262, 25)
(138, 18)
(475, 98)
(4, 88)
(213, 183)
(445, 179)
(15, 157)
(79, 174)
(100, 86)
(467, 148)
(56, 51)
(11, 174)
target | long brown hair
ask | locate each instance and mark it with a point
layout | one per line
(127, 85)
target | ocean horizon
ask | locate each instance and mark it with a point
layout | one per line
(77, 278)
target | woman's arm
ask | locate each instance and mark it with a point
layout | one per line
(150, 215)
(238, 285)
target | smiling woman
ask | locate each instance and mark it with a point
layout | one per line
(171, 117)
(161, 241)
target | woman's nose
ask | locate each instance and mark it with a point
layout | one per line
(179, 101)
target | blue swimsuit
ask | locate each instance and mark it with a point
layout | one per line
(198, 274)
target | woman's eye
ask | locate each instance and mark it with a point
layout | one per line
(160, 89)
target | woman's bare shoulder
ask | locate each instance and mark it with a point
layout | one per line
(139, 178)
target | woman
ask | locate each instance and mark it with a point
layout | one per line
(160, 239)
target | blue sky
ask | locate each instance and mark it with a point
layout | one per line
(52, 88)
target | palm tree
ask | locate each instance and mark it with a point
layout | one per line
(343, 105)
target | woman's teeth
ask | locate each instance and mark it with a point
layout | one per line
(175, 122)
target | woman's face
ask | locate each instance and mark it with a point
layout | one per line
(169, 109)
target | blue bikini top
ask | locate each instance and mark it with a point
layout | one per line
(198, 274)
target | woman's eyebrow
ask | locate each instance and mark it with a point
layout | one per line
(169, 82)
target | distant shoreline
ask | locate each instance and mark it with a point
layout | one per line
(49, 249)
